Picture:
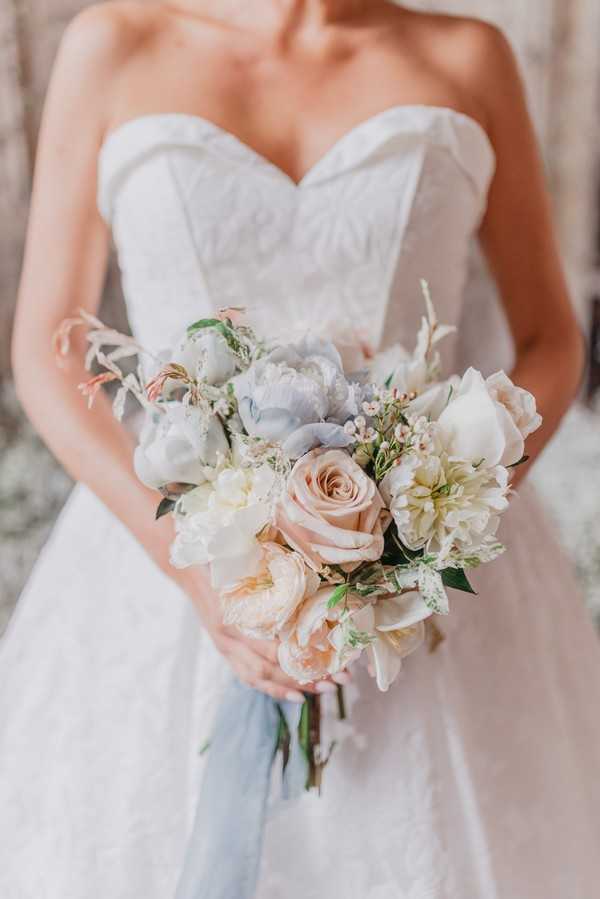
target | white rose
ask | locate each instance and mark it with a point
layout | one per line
(478, 429)
(206, 356)
(519, 403)
(177, 446)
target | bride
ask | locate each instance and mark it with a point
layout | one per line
(312, 160)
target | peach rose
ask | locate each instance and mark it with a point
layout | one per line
(307, 654)
(260, 606)
(331, 511)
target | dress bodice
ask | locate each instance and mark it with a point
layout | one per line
(201, 221)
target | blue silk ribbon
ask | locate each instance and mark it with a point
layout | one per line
(223, 855)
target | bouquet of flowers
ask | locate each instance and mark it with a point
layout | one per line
(333, 501)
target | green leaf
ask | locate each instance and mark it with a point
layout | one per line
(457, 580)
(432, 590)
(203, 323)
(521, 461)
(164, 507)
(395, 553)
(337, 596)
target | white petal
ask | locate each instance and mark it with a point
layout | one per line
(399, 612)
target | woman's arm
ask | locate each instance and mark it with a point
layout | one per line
(519, 241)
(64, 269)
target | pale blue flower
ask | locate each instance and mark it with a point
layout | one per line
(296, 395)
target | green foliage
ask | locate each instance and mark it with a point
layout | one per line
(165, 506)
(457, 579)
(337, 596)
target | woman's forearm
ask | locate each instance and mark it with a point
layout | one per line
(551, 369)
(98, 451)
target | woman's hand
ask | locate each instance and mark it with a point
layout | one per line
(255, 663)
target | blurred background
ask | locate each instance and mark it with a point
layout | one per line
(558, 44)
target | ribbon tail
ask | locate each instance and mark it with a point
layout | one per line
(223, 855)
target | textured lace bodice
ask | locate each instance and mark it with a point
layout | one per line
(202, 221)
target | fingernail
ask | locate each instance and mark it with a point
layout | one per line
(325, 686)
(342, 677)
(294, 696)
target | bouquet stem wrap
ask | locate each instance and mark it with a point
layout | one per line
(223, 855)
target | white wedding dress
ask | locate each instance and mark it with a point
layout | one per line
(478, 775)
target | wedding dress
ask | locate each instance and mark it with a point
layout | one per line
(477, 775)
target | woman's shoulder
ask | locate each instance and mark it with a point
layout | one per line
(110, 32)
(470, 54)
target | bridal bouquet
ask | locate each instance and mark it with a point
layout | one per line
(333, 495)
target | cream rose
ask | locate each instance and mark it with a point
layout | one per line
(519, 403)
(475, 427)
(261, 606)
(331, 511)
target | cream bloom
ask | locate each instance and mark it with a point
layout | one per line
(519, 403)
(307, 653)
(261, 605)
(331, 511)
(396, 625)
(477, 428)
(178, 445)
(439, 503)
(206, 355)
(218, 523)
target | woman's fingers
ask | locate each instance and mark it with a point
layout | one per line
(256, 664)
(266, 675)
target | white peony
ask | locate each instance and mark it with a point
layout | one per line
(438, 502)
(218, 523)
(477, 428)
(178, 445)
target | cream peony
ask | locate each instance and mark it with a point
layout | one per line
(218, 523)
(260, 606)
(440, 503)
(331, 511)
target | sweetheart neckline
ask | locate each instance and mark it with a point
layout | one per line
(118, 131)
